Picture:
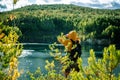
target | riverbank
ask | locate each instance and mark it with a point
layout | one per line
(97, 41)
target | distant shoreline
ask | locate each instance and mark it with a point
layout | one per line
(39, 44)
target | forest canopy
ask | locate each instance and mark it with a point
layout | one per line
(42, 23)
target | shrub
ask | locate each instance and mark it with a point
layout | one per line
(10, 49)
(97, 69)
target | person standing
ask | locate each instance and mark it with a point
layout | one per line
(72, 45)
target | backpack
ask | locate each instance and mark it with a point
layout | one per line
(76, 52)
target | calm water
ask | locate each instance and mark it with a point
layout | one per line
(35, 55)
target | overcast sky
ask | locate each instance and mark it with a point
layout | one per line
(7, 4)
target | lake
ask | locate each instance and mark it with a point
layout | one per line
(34, 55)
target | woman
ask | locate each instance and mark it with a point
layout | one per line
(71, 41)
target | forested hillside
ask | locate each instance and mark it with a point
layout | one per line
(43, 23)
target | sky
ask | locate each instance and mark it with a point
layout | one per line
(6, 5)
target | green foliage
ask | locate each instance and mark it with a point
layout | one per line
(51, 75)
(100, 24)
(10, 49)
(112, 33)
(97, 69)
(36, 20)
(103, 68)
